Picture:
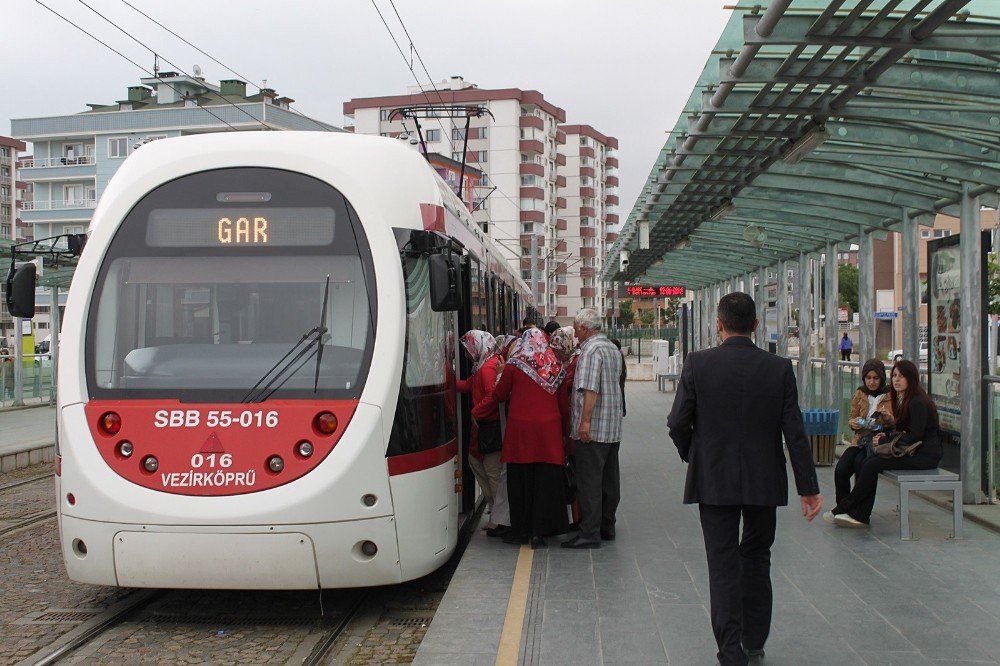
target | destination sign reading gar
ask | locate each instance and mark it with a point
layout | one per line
(240, 227)
(658, 291)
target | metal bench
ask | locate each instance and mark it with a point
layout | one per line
(926, 479)
(661, 381)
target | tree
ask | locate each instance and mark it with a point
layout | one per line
(669, 311)
(847, 280)
(625, 315)
(993, 286)
(647, 317)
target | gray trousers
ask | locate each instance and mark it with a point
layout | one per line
(598, 486)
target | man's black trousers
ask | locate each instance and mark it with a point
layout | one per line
(739, 573)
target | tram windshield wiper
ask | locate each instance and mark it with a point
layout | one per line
(309, 345)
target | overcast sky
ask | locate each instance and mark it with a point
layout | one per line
(624, 66)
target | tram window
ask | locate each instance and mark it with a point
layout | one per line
(426, 408)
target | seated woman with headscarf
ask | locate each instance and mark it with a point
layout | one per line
(533, 441)
(871, 410)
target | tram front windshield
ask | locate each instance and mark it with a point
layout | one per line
(234, 285)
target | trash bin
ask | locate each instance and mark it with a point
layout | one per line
(822, 426)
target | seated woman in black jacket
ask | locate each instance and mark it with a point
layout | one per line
(917, 418)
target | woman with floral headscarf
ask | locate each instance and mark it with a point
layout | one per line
(563, 343)
(532, 444)
(480, 348)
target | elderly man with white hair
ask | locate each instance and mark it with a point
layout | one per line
(596, 428)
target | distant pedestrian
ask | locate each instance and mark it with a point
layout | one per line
(596, 430)
(532, 442)
(734, 404)
(846, 346)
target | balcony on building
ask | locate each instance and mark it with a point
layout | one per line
(530, 168)
(610, 162)
(57, 168)
(587, 171)
(562, 311)
(611, 218)
(587, 211)
(561, 246)
(587, 292)
(561, 159)
(587, 191)
(560, 202)
(531, 146)
(587, 271)
(56, 210)
(587, 251)
(532, 215)
(611, 237)
(586, 151)
(561, 290)
(532, 121)
(532, 193)
(611, 200)
(588, 232)
(609, 292)
(560, 137)
(611, 181)
(561, 224)
(560, 181)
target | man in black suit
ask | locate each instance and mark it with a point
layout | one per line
(734, 402)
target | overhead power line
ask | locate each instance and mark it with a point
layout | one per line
(126, 58)
(175, 66)
(221, 64)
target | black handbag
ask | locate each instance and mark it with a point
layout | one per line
(490, 440)
(569, 475)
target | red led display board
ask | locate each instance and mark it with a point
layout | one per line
(658, 291)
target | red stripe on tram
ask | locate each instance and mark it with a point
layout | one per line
(408, 463)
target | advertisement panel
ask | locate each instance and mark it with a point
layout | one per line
(944, 282)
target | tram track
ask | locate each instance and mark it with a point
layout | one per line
(26, 521)
(24, 482)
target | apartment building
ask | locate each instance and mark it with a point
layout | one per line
(548, 191)
(76, 154)
(588, 195)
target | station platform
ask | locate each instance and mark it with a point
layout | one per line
(27, 436)
(841, 596)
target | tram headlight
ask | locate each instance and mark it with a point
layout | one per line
(325, 423)
(275, 464)
(126, 449)
(150, 464)
(305, 448)
(110, 423)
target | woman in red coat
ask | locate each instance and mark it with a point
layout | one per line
(532, 444)
(480, 347)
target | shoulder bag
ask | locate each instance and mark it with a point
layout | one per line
(891, 447)
(490, 439)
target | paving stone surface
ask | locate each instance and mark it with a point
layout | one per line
(841, 596)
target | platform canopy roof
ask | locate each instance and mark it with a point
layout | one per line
(814, 122)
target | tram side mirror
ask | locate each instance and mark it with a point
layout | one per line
(21, 291)
(76, 243)
(446, 285)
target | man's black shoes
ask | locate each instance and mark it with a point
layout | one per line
(580, 542)
(756, 657)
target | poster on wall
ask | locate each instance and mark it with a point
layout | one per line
(944, 358)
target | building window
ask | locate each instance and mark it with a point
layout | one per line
(484, 156)
(118, 147)
(458, 133)
(433, 135)
(942, 233)
(528, 180)
(525, 275)
(384, 114)
(457, 156)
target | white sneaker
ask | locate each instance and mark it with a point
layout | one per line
(844, 520)
(829, 517)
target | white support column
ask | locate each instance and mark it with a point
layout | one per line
(911, 288)
(762, 308)
(18, 362)
(831, 375)
(782, 304)
(971, 345)
(866, 297)
(817, 297)
(805, 331)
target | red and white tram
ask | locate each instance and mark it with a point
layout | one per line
(256, 376)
